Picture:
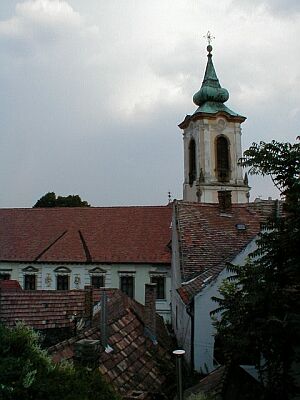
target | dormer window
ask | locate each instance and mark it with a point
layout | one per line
(222, 147)
(192, 161)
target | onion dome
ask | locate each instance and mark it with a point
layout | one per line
(211, 89)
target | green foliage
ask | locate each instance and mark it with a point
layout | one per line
(260, 303)
(27, 372)
(50, 200)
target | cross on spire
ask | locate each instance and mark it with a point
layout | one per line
(209, 37)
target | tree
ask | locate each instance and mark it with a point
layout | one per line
(50, 200)
(27, 372)
(260, 302)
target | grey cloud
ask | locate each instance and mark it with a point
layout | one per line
(283, 8)
(64, 90)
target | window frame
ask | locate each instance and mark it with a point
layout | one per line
(97, 276)
(127, 276)
(63, 276)
(31, 285)
(5, 276)
(222, 151)
(192, 161)
(162, 277)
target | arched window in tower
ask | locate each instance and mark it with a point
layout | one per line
(222, 159)
(192, 161)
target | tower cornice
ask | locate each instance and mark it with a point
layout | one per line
(201, 115)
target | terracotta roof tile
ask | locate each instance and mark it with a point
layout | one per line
(10, 285)
(209, 239)
(41, 309)
(131, 364)
(104, 234)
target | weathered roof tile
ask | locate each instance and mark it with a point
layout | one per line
(100, 234)
(209, 239)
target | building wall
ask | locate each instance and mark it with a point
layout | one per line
(204, 330)
(79, 276)
(181, 321)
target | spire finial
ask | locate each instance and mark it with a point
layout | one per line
(209, 37)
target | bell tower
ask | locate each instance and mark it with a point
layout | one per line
(212, 144)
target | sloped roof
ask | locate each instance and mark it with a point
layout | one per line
(41, 309)
(8, 285)
(208, 238)
(227, 382)
(101, 234)
(135, 362)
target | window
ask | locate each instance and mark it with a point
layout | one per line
(127, 285)
(222, 159)
(97, 281)
(97, 277)
(29, 282)
(192, 161)
(62, 282)
(4, 276)
(160, 286)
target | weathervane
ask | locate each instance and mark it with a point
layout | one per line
(209, 37)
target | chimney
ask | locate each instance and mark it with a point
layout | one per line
(224, 198)
(86, 352)
(88, 304)
(150, 311)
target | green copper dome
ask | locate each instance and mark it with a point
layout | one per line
(211, 89)
(211, 97)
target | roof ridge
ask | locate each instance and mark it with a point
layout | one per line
(37, 209)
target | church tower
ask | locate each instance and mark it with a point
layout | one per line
(212, 145)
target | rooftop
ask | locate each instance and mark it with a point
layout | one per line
(209, 238)
(93, 235)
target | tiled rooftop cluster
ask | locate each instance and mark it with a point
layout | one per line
(134, 364)
(42, 309)
(46, 309)
(209, 238)
(100, 234)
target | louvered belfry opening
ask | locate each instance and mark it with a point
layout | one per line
(223, 167)
(192, 161)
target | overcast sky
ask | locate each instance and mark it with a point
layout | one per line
(92, 91)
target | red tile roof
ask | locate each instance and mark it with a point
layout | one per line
(135, 362)
(208, 238)
(104, 234)
(41, 309)
(9, 285)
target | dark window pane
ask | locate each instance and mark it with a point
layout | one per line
(97, 281)
(127, 285)
(160, 286)
(192, 161)
(222, 159)
(30, 282)
(4, 276)
(62, 282)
